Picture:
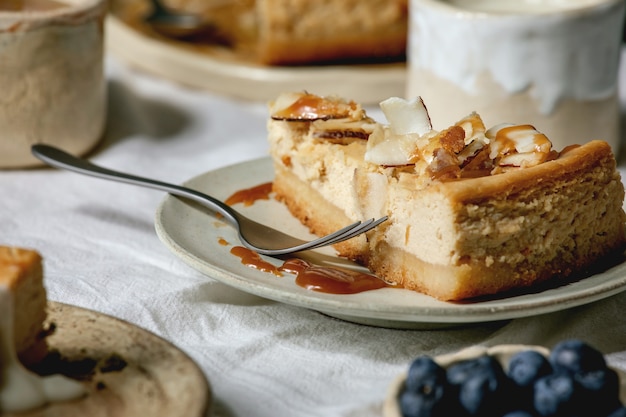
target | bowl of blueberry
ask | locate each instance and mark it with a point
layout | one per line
(571, 380)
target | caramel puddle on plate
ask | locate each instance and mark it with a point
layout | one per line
(332, 280)
(327, 279)
(250, 195)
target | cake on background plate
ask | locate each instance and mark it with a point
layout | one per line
(295, 32)
(472, 211)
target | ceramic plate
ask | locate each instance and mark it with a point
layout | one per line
(196, 238)
(218, 70)
(127, 371)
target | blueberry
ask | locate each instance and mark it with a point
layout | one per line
(482, 392)
(600, 388)
(526, 367)
(415, 404)
(604, 381)
(618, 412)
(518, 413)
(425, 389)
(459, 372)
(424, 372)
(576, 356)
(554, 395)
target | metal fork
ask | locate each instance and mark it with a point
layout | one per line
(253, 235)
(175, 24)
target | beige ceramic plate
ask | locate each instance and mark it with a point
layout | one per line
(196, 237)
(218, 70)
(502, 352)
(126, 370)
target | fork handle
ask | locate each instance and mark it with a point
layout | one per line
(60, 159)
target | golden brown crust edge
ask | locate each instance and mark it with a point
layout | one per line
(466, 282)
(576, 159)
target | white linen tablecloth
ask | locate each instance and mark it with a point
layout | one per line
(262, 358)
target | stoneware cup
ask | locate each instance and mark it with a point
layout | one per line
(52, 86)
(551, 63)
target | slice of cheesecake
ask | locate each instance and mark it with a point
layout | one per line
(21, 277)
(23, 309)
(472, 211)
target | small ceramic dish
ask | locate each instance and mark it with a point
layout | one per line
(51, 77)
(503, 353)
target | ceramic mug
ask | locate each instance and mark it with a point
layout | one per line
(52, 85)
(551, 63)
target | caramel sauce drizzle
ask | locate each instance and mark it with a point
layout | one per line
(330, 280)
(253, 260)
(248, 257)
(506, 134)
(312, 107)
(250, 195)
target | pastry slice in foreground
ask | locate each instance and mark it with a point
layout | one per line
(472, 211)
(21, 276)
(23, 309)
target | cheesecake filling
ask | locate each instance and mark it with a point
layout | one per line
(20, 389)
